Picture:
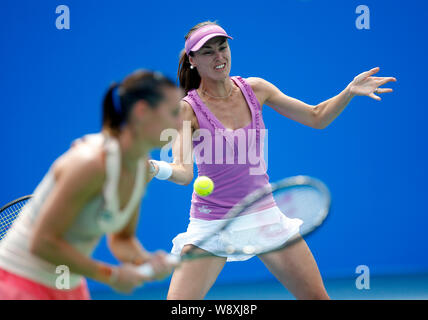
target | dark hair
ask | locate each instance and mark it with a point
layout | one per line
(121, 97)
(189, 78)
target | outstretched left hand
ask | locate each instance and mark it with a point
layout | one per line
(366, 85)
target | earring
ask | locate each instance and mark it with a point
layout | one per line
(192, 67)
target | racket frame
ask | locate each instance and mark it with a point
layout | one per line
(10, 204)
(295, 181)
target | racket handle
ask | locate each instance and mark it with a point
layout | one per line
(148, 271)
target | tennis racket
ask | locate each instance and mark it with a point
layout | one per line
(10, 212)
(300, 197)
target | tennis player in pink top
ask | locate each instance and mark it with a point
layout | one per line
(92, 190)
(220, 108)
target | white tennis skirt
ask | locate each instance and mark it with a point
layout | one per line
(276, 227)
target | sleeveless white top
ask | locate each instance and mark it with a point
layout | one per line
(102, 215)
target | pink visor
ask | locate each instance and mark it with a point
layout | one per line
(202, 35)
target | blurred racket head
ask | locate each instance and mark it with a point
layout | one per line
(9, 213)
(308, 199)
(302, 205)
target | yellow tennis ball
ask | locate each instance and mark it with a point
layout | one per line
(203, 186)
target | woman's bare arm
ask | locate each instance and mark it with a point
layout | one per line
(182, 148)
(321, 115)
(79, 180)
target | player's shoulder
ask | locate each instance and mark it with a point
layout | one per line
(257, 83)
(261, 88)
(184, 105)
(187, 111)
(85, 159)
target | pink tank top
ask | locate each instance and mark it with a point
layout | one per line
(233, 159)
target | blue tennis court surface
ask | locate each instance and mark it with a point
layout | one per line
(408, 287)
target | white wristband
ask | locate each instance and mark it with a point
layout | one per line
(165, 170)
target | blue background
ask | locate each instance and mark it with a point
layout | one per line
(373, 156)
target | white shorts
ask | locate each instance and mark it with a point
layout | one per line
(243, 230)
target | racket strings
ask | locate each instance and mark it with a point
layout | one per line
(306, 203)
(268, 219)
(8, 216)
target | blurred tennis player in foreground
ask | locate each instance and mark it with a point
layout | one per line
(95, 188)
(217, 102)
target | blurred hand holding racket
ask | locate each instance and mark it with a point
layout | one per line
(299, 197)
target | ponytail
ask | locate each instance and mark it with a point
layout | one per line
(112, 117)
(120, 98)
(189, 78)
